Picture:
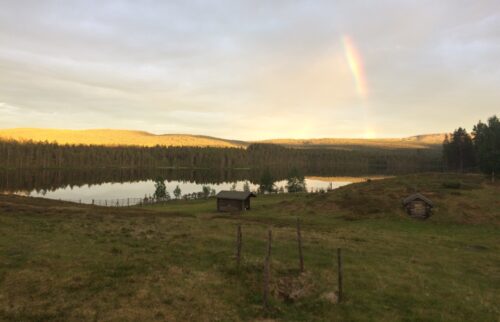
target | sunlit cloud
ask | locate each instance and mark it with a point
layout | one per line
(8, 109)
(239, 70)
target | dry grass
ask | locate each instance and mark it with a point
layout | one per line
(139, 138)
(414, 142)
(114, 138)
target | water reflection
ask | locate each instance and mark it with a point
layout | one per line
(135, 191)
(107, 184)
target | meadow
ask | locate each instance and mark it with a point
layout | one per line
(61, 261)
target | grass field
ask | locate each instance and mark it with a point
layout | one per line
(65, 262)
(139, 138)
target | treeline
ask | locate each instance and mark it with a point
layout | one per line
(44, 155)
(479, 150)
(30, 155)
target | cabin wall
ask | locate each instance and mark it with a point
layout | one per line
(418, 208)
(229, 205)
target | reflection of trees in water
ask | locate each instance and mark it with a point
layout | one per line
(47, 180)
(130, 164)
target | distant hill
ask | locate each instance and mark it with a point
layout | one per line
(427, 138)
(115, 138)
(140, 138)
(413, 142)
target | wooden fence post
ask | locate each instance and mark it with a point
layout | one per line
(339, 261)
(238, 245)
(299, 240)
(267, 270)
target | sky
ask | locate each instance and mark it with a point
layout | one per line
(251, 69)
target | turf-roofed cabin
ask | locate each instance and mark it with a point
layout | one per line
(418, 206)
(233, 200)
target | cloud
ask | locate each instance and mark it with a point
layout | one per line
(8, 109)
(249, 69)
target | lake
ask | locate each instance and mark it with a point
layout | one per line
(135, 191)
(130, 186)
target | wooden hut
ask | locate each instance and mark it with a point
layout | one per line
(234, 200)
(418, 206)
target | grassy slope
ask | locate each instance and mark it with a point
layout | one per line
(414, 142)
(125, 137)
(114, 137)
(60, 261)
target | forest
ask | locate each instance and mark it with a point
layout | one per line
(479, 150)
(31, 155)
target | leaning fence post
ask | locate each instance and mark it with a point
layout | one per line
(238, 245)
(299, 240)
(267, 270)
(339, 261)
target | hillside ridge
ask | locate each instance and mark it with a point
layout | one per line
(112, 137)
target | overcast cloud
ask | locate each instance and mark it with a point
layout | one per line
(249, 69)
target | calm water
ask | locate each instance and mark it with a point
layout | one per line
(106, 185)
(137, 190)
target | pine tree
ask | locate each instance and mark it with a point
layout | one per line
(177, 192)
(458, 151)
(267, 182)
(296, 182)
(487, 146)
(160, 189)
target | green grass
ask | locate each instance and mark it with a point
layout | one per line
(66, 262)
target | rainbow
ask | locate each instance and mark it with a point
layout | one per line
(355, 65)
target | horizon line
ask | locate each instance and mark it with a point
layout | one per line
(221, 138)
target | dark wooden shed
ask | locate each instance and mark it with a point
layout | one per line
(234, 200)
(418, 206)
